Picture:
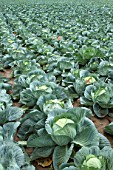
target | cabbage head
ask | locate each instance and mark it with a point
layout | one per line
(94, 158)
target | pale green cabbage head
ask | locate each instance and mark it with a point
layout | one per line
(92, 163)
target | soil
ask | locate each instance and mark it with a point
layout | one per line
(45, 163)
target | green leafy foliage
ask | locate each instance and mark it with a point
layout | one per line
(13, 158)
(100, 96)
(61, 155)
(34, 121)
(8, 131)
(67, 126)
(93, 158)
(10, 113)
(58, 52)
(109, 128)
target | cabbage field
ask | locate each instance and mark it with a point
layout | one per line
(56, 85)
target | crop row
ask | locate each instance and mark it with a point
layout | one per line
(58, 53)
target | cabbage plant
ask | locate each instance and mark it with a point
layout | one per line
(83, 78)
(69, 125)
(50, 102)
(91, 158)
(94, 159)
(100, 96)
(30, 96)
(12, 157)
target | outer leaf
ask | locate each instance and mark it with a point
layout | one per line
(67, 166)
(103, 141)
(85, 101)
(13, 156)
(109, 128)
(14, 113)
(88, 91)
(31, 122)
(41, 141)
(88, 135)
(87, 112)
(61, 155)
(43, 152)
(79, 86)
(25, 128)
(27, 97)
(107, 153)
(5, 98)
(9, 130)
(99, 111)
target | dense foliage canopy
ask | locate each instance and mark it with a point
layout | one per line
(58, 52)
